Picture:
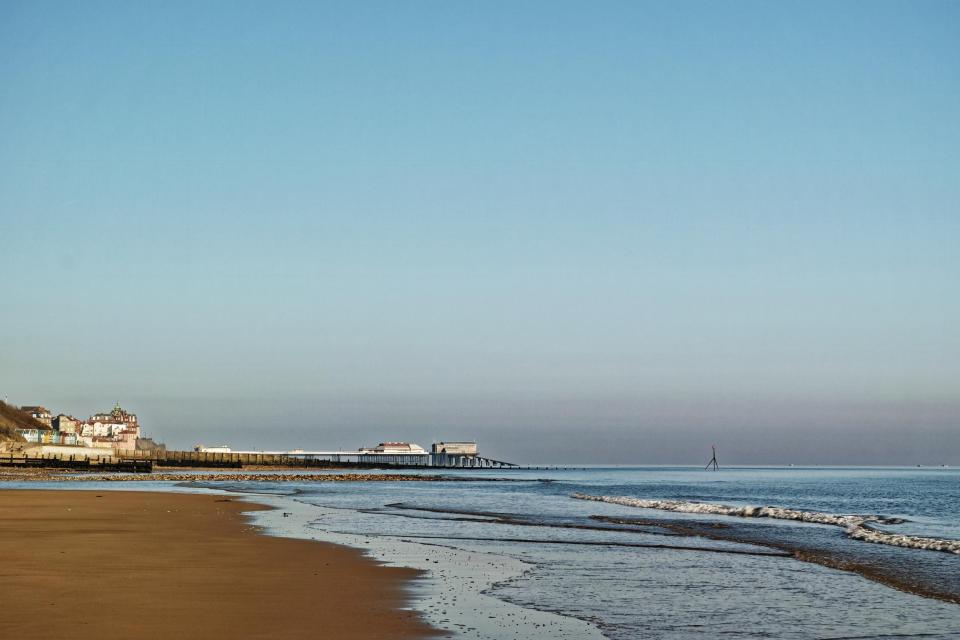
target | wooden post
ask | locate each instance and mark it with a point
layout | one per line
(713, 460)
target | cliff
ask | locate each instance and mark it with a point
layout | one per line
(12, 419)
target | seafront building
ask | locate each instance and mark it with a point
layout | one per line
(200, 448)
(454, 448)
(395, 448)
(117, 429)
(67, 427)
(39, 413)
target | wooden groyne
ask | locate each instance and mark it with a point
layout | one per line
(218, 460)
(75, 463)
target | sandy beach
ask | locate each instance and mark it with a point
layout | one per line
(86, 564)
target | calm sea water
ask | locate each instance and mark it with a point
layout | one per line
(497, 553)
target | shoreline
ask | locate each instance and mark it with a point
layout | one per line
(131, 564)
(196, 474)
(459, 585)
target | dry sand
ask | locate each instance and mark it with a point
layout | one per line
(130, 565)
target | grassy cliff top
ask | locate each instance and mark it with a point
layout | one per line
(12, 419)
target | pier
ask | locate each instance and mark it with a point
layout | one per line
(345, 459)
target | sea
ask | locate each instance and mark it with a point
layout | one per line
(649, 552)
(656, 552)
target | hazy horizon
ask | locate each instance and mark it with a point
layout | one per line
(575, 233)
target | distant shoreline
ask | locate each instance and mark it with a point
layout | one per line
(253, 475)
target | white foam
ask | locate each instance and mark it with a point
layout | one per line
(857, 526)
(454, 593)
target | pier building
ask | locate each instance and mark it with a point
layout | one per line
(455, 448)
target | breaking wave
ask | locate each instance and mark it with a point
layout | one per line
(857, 526)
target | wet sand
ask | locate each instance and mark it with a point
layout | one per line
(131, 565)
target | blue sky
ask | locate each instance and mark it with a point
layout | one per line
(660, 224)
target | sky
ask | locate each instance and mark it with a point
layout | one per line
(576, 232)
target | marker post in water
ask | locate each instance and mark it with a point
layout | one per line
(713, 460)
